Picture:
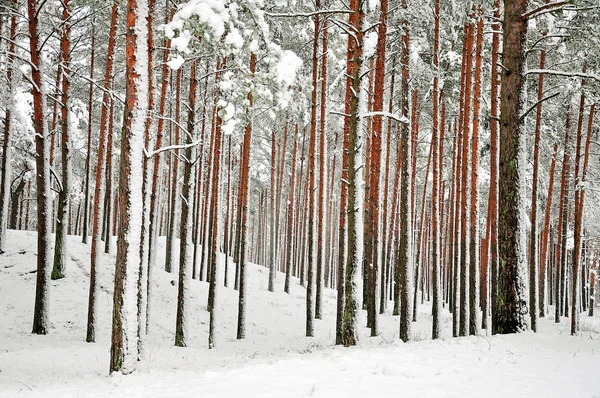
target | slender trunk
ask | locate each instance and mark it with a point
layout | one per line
(41, 322)
(6, 146)
(124, 349)
(98, 189)
(183, 287)
(545, 234)
(563, 211)
(244, 165)
(88, 160)
(290, 217)
(435, 195)
(494, 165)
(171, 234)
(60, 247)
(404, 255)
(321, 222)
(464, 209)
(474, 243)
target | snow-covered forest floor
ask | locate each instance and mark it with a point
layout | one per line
(275, 359)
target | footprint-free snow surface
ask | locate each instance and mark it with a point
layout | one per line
(275, 360)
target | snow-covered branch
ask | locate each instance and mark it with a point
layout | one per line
(548, 7)
(562, 73)
(306, 14)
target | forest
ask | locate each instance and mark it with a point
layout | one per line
(235, 192)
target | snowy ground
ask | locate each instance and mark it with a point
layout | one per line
(275, 360)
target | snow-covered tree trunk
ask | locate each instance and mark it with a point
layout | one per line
(182, 323)
(245, 164)
(352, 129)
(99, 185)
(5, 180)
(42, 147)
(60, 247)
(124, 351)
(512, 289)
(404, 255)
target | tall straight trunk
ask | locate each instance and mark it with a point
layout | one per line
(183, 287)
(474, 237)
(171, 234)
(41, 322)
(511, 305)
(385, 253)
(435, 194)
(62, 222)
(563, 211)
(109, 178)
(154, 221)
(351, 129)
(279, 254)
(322, 204)
(593, 275)
(545, 234)
(200, 183)
(98, 189)
(311, 179)
(464, 209)
(419, 271)
(534, 280)
(290, 217)
(214, 225)
(404, 255)
(228, 206)
(88, 160)
(580, 174)
(5, 180)
(494, 165)
(272, 215)
(375, 176)
(213, 217)
(124, 352)
(244, 165)
(342, 235)
(143, 272)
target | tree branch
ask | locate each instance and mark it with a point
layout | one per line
(548, 7)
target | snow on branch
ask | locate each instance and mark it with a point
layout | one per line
(401, 119)
(150, 154)
(306, 14)
(562, 73)
(548, 7)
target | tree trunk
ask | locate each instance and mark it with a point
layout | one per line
(244, 165)
(6, 146)
(351, 129)
(512, 301)
(435, 195)
(290, 217)
(474, 244)
(98, 189)
(183, 287)
(124, 350)
(171, 234)
(404, 256)
(60, 247)
(88, 160)
(563, 211)
(41, 322)
(545, 233)
(494, 165)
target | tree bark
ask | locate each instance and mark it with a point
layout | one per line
(41, 321)
(511, 303)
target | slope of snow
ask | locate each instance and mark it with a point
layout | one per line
(275, 359)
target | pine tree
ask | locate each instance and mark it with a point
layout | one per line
(124, 350)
